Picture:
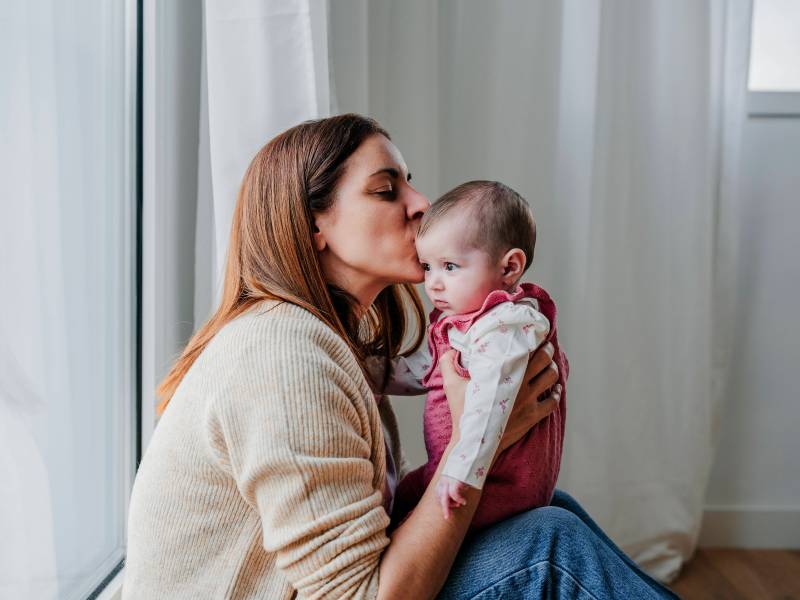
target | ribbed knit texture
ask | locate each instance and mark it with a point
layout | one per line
(265, 475)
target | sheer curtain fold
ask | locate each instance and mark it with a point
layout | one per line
(265, 69)
(619, 122)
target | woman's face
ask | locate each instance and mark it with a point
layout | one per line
(366, 239)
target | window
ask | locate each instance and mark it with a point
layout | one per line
(68, 325)
(774, 77)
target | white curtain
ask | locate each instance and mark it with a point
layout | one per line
(265, 68)
(647, 276)
(66, 308)
(619, 121)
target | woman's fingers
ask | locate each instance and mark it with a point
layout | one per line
(526, 414)
(541, 358)
(446, 364)
(449, 373)
(546, 406)
(544, 380)
(542, 371)
(444, 500)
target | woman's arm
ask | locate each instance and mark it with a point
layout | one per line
(290, 424)
(407, 373)
(422, 549)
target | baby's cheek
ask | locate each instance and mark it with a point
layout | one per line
(471, 296)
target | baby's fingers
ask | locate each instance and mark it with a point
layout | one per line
(446, 510)
(457, 495)
(444, 500)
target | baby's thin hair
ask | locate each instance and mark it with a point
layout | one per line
(501, 218)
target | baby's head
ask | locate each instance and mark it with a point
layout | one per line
(477, 238)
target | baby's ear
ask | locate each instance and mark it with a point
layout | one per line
(513, 263)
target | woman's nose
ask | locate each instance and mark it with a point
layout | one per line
(417, 205)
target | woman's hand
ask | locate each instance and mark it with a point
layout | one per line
(541, 375)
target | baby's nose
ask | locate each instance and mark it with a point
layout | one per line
(435, 283)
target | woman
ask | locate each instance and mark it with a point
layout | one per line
(270, 470)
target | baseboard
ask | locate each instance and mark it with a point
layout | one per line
(745, 527)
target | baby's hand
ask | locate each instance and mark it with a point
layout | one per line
(450, 493)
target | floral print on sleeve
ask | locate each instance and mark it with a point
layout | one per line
(499, 343)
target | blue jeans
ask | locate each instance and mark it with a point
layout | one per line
(552, 552)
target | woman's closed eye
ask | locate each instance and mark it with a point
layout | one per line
(388, 192)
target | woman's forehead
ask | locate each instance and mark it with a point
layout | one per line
(377, 154)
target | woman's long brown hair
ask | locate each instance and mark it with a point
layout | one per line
(271, 254)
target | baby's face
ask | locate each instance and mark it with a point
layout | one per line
(457, 277)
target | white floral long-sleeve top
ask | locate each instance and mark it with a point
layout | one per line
(495, 350)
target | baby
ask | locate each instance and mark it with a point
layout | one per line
(474, 244)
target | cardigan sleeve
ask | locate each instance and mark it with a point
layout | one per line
(297, 438)
(407, 373)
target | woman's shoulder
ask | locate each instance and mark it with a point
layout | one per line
(275, 337)
(279, 355)
(277, 323)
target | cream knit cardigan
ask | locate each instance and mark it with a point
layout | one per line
(265, 473)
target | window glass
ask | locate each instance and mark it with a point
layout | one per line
(775, 46)
(67, 256)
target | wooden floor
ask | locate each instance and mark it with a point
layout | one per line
(727, 574)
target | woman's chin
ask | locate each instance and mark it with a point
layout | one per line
(416, 277)
(410, 275)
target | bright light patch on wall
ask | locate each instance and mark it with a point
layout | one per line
(775, 46)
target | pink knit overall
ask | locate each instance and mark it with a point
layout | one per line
(524, 475)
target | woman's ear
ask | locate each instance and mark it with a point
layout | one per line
(513, 264)
(319, 239)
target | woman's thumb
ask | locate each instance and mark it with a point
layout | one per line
(450, 375)
(446, 364)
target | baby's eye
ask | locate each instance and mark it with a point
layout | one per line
(450, 266)
(425, 266)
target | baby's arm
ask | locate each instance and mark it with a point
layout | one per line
(500, 343)
(407, 373)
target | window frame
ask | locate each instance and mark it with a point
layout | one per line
(110, 586)
(165, 195)
(773, 104)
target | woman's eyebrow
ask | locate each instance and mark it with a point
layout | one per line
(391, 172)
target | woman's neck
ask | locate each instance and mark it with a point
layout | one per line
(364, 291)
